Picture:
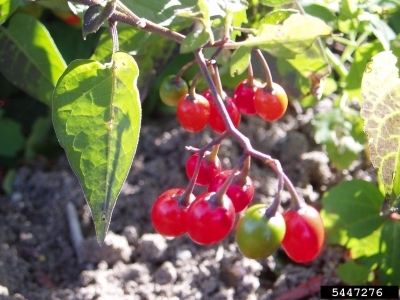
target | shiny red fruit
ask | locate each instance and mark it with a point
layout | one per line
(193, 114)
(244, 97)
(305, 234)
(209, 168)
(240, 193)
(216, 122)
(167, 215)
(209, 221)
(270, 105)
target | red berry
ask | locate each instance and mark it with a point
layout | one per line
(72, 19)
(244, 97)
(193, 114)
(270, 105)
(209, 168)
(168, 215)
(209, 220)
(240, 193)
(305, 234)
(216, 123)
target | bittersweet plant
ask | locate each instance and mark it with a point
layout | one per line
(96, 103)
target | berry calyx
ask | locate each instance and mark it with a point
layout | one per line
(172, 89)
(258, 235)
(244, 96)
(210, 166)
(305, 234)
(216, 122)
(210, 218)
(270, 104)
(193, 112)
(168, 214)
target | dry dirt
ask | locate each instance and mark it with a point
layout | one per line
(38, 260)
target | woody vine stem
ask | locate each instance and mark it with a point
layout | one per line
(124, 15)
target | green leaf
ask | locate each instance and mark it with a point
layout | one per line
(150, 51)
(11, 137)
(389, 273)
(295, 35)
(362, 56)
(320, 11)
(274, 2)
(7, 7)
(38, 135)
(240, 60)
(380, 89)
(194, 40)
(353, 273)
(335, 132)
(97, 115)
(277, 17)
(29, 58)
(356, 204)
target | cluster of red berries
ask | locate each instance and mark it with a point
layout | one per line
(209, 217)
(197, 111)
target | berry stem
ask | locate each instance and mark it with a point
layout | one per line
(268, 76)
(217, 80)
(273, 209)
(250, 77)
(192, 89)
(218, 197)
(240, 179)
(183, 70)
(214, 153)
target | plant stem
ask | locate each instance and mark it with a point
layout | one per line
(114, 35)
(224, 187)
(268, 76)
(336, 64)
(250, 76)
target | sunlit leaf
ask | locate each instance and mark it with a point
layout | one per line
(390, 248)
(380, 90)
(194, 40)
(274, 2)
(277, 16)
(240, 60)
(292, 37)
(356, 204)
(29, 58)
(353, 273)
(97, 115)
(7, 7)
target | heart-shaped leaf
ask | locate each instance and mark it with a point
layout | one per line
(97, 116)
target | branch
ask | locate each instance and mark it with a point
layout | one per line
(126, 16)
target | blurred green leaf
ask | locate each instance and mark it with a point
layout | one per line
(7, 7)
(11, 137)
(240, 60)
(320, 11)
(29, 58)
(274, 2)
(361, 57)
(277, 17)
(294, 36)
(40, 130)
(99, 128)
(353, 273)
(389, 273)
(356, 206)
(194, 40)
(334, 132)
